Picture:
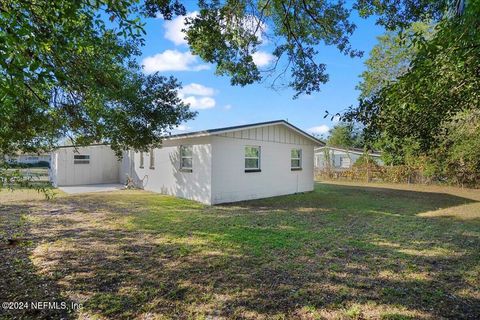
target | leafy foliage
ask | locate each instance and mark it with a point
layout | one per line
(391, 58)
(345, 135)
(66, 71)
(458, 157)
(365, 160)
(228, 33)
(395, 14)
(12, 178)
(69, 69)
(411, 117)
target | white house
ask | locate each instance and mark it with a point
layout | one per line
(213, 166)
(341, 158)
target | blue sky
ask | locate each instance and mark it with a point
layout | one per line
(219, 104)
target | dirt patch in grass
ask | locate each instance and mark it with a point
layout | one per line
(341, 252)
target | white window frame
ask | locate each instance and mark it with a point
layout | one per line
(142, 160)
(299, 159)
(152, 158)
(259, 158)
(343, 159)
(182, 167)
(81, 159)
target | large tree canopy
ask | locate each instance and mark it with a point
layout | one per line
(441, 80)
(68, 68)
(391, 58)
(66, 71)
(227, 33)
(420, 101)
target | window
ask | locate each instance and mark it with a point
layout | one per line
(296, 159)
(345, 162)
(141, 159)
(186, 153)
(152, 159)
(317, 161)
(252, 159)
(81, 159)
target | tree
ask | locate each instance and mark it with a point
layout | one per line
(228, 33)
(391, 58)
(457, 158)
(407, 115)
(345, 135)
(69, 68)
(65, 72)
(388, 61)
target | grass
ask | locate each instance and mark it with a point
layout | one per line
(344, 251)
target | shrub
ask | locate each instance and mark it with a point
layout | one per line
(457, 160)
(39, 164)
(365, 159)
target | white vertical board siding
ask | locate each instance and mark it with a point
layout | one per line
(275, 133)
(167, 177)
(127, 166)
(231, 183)
(53, 171)
(104, 166)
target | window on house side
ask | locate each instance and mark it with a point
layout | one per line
(296, 159)
(152, 159)
(186, 162)
(345, 162)
(81, 159)
(252, 158)
(141, 159)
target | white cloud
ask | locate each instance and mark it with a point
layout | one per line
(173, 29)
(198, 96)
(197, 89)
(262, 58)
(200, 103)
(172, 60)
(227, 107)
(322, 129)
(254, 25)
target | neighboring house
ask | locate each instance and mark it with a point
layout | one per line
(213, 166)
(28, 158)
(340, 158)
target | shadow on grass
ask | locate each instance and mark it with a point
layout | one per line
(336, 252)
(20, 284)
(360, 198)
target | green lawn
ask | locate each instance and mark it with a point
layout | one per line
(341, 252)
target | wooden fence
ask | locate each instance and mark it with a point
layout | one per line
(388, 174)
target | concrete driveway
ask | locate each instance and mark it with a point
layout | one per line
(92, 188)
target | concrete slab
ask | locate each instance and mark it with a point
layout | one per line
(92, 188)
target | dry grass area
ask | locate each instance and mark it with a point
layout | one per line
(341, 252)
